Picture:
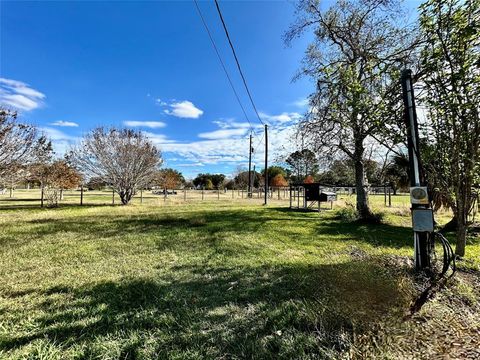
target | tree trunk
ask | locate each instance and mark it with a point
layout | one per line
(361, 190)
(461, 215)
(125, 196)
(361, 180)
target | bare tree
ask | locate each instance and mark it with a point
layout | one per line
(124, 158)
(17, 142)
(359, 46)
(16, 174)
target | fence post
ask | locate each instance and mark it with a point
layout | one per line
(113, 196)
(290, 196)
(81, 194)
(218, 194)
(389, 197)
(184, 194)
(385, 195)
(233, 193)
(141, 196)
(203, 188)
(41, 195)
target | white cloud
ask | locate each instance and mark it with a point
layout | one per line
(147, 124)
(19, 95)
(231, 123)
(161, 102)
(190, 164)
(223, 133)
(184, 109)
(64, 123)
(301, 103)
(231, 150)
(284, 117)
(61, 141)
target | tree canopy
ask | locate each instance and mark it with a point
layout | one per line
(124, 158)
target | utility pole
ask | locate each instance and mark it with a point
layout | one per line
(254, 174)
(422, 214)
(250, 151)
(266, 164)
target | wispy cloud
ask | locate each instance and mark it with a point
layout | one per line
(301, 103)
(285, 117)
(183, 109)
(60, 140)
(160, 102)
(146, 124)
(64, 123)
(223, 133)
(19, 95)
(228, 145)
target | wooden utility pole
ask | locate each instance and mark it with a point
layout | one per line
(250, 150)
(253, 180)
(266, 164)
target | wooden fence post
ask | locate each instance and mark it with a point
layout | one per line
(113, 196)
(81, 195)
(141, 196)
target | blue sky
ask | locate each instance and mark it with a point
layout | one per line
(71, 66)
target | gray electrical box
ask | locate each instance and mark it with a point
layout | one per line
(422, 220)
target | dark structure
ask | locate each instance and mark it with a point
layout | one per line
(310, 196)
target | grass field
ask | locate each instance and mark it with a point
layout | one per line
(221, 279)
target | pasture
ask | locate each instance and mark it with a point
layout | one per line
(221, 279)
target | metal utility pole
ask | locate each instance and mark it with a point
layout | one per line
(250, 151)
(422, 214)
(266, 164)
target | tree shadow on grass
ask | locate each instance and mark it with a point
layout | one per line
(385, 235)
(286, 312)
(169, 229)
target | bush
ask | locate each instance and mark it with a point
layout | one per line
(350, 214)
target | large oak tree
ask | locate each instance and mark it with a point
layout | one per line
(358, 47)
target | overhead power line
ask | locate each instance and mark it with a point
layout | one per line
(222, 63)
(238, 63)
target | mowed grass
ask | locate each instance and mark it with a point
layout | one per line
(214, 280)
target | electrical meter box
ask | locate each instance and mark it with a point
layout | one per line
(419, 195)
(422, 220)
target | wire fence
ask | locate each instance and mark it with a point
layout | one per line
(25, 198)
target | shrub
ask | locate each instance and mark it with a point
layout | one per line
(348, 214)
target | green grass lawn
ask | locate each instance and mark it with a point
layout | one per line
(219, 280)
